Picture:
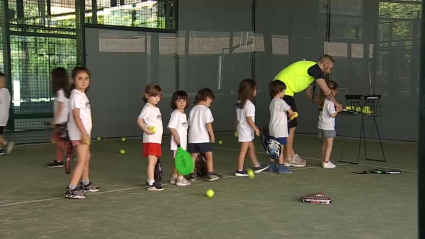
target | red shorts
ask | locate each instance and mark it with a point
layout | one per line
(152, 149)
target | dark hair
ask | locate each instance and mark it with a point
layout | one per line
(325, 57)
(60, 80)
(246, 92)
(333, 86)
(78, 69)
(180, 94)
(203, 94)
(275, 87)
(2, 74)
(151, 90)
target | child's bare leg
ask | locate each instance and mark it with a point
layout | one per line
(242, 153)
(253, 155)
(324, 145)
(2, 141)
(328, 151)
(210, 162)
(281, 156)
(194, 156)
(150, 174)
(82, 150)
(85, 177)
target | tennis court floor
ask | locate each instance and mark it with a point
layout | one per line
(269, 206)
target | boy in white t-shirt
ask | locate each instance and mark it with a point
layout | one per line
(5, 100)
(61, 89)
(178, 128)
(150, 121)
(201, 133)
(278, 125)
(326, 125)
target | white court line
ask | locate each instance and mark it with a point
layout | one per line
(126, 189)
(362, 164)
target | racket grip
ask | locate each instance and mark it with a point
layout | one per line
(178, 145)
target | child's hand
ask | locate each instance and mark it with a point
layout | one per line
(257, 132)
(212, 137)
(177, 139)
(149, 132)
(85, 138)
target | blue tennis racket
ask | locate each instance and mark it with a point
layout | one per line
(272, 146)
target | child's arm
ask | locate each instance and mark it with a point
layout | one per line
(142, 125)
(210, 132)
(84, 135)
(253, 126)
(330, 107)
(58, 112)
(290, 113)
(175, 135)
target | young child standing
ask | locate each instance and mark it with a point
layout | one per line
(245, 113)
(178, 129)
(4, 115)
(327, 125)
(79, 130)
(280, 111)
(150, 121)
(60, 85)
(201, 133)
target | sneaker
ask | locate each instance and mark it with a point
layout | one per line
(299, 157)
(260, 168)
(55, 164)
(283, 169)
(182, 182)
(9, 147)
(193, 177)
(214, 177)
(273, 168)
(89, 187)
(74, 193)
(328, 164)
(1, 152)
(154, 187)
(241, 173)
(296, 162)
(173, 181)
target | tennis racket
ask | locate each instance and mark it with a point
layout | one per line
(318, 198)
(377, 171)
(272, 147)
(183, 161)
(201, 166)
(158, 171)
(348, 112)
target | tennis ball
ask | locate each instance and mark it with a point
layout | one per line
(122, 151)
(348, 108)
(251, 174)
(358, 109)
(152, 128)
(98, 138)
(220, 142)
(123, 139)
(87, 141)
(210, 193)
(236, 134)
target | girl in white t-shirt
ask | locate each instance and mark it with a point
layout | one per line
(178, 128)
(79, 130)
(326, 125)
(61, 89)
(150, 121)
(245, 114)
(201, 133)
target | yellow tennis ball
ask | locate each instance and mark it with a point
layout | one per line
(220, 142)
(122, 151)
(236, 134)
(98, 138)
(251, 174)
(210, 193)
(123, 139)
(152, 128)
(87, 141)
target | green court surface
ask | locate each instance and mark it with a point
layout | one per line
(269, 206)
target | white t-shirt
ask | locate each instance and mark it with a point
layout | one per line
(278, 125)
(326, 122)
(151, 115)
(199, 116)
(245, 132)
(4, 106)
(79, 100)
(178, 121)
(60, 97)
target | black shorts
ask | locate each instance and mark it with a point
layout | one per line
(199, 148)
(2, 129)
(291, 102)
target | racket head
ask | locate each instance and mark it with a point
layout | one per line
(272, 147)
(158, 171)
(318, 198)
(183, 161)
(201, 166)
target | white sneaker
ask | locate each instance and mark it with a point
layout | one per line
(182, 182)
(173, 181)
(328, 165)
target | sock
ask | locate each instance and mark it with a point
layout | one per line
(85, 182)
(150, 181)
(72, 187)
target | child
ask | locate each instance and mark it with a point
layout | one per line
(245, 113)
(79, 129)
(4, 115)
(150, 121)
(60, 85)
(327, 125)
(278, 125)
(201, 133)
(178, 128)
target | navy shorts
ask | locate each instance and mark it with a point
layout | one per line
(2, 129)
(281, 140)
(199, 148)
